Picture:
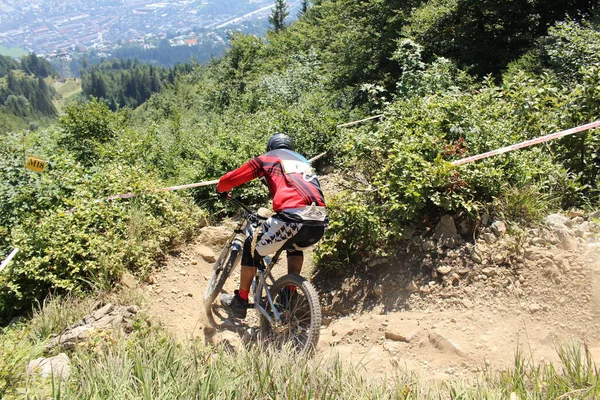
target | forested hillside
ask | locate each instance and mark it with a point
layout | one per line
(24, 93)
(451, 79)
(127, 83)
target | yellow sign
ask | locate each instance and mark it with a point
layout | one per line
(35, 164)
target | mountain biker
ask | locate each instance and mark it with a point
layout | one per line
(300, 220)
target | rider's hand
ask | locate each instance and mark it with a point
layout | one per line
(223, 195)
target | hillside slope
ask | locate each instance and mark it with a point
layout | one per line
(441, 312)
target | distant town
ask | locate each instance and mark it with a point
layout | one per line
(59, 28)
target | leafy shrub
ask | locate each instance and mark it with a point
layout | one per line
(88, 248)
(571, 46)
(86, 127)
(401, 166)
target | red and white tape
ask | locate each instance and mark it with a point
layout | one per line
(172, 188)
(501, 150)
(528, 143)
(166, 189)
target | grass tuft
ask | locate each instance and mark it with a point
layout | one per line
(150, 363)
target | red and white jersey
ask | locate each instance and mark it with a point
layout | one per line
(291, 180)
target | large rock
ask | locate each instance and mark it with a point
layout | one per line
(206, 253)
(445, 228)
(444, 269)
(58, 366)
(446, 233)
(214, 236)
(561, 229)
(499, 228)
(567, 238)
(489, 238)
(107, 317)
(558, 221)
(444, 345)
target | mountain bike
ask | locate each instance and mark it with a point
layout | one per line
(288, 308)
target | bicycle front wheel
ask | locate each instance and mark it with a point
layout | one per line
(297, 302)
(221, 270)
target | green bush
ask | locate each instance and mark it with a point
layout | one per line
(69, 241)
(571, 46)
(401, 167)
(86, 127)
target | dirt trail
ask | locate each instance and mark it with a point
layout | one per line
(374, 321)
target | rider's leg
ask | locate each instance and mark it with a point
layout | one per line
(294, 262)
(238, 302)
(247, 274)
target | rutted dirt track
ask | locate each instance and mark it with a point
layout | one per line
(380, 319)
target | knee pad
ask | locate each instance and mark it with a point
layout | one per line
(257, 260)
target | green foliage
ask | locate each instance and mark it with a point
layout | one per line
(125, 83)
(278, 15)
(343, 60)
(484, 36)
(304, 6)
(86, 127)
(524, 205)
(15, 353)
(572, 47)
(37, 66)
(10, 122)
(401, 168)
(25, 96)
(24, 340)
(578, 377)
(7, 64)
(150, 363)
(581, 153)
(89, 246)
(419, 78)
(356, 232)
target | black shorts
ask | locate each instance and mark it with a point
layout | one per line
(291, 236)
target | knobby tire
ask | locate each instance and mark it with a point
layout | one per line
(301, 316)
(221, 270)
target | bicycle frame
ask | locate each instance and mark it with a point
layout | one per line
(246, 227)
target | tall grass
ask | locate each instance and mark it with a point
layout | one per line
(575, 378)
(24, 340)
(525, 205)
(151, 364)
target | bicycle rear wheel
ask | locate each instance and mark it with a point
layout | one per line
(221, 270)
(298, 304)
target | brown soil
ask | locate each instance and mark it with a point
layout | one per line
(399, 313)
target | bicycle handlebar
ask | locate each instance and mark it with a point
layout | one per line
(244, 207)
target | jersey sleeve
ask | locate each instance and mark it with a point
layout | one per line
(250, 170)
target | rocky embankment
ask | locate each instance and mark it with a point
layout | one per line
(443, 305)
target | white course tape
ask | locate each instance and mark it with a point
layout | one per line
(10, 257)
(528, 143)
(359, 121)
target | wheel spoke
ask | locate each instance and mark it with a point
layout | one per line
(300, 314)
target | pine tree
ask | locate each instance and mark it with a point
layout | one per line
(278, 15)
(303, 8)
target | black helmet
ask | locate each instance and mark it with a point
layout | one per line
(279, 141)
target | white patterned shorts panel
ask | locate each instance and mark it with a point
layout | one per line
(276, 234)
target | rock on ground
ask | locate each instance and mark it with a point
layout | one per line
(58, 366)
